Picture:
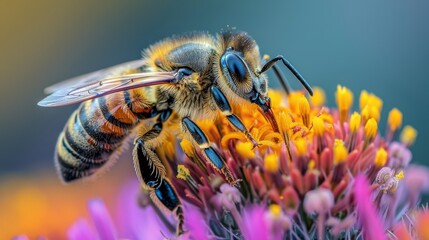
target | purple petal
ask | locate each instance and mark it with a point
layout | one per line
(195, 223)
(416, 181)
(399, 155)
(368, 217)
(102, 220)
(20, 237)
(137, 222)
(81, 230)
(253, 224)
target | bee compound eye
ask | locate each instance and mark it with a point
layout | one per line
(235, 66)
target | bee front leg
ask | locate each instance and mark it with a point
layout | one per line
(151, 172)
(215, 159)
(224, 106)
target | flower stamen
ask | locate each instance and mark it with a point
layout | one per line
(371, 128)
(271, 163)
(408, 135)
(344, 98)
(354, 127)
(340, 157)
(394, 120)
(318, 98)
(304, 109)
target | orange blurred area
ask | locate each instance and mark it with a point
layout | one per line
(41, 205)
(422, 224)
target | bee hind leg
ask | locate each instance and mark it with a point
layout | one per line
(151, 172)
(215, 159)
(165, 196)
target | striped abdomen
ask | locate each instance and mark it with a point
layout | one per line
(96, 130)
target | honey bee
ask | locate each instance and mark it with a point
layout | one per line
(181, 79)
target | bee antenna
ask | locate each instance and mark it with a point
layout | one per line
(283, 80)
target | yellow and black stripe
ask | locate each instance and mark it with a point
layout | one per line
(96, 129)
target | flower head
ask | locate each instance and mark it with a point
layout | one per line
(324, 174)
(311, 163)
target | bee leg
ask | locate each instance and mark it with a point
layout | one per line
(152, 173)
(223, 105)
(215, 159)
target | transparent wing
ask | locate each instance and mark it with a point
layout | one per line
(95, 76)
(88, 89)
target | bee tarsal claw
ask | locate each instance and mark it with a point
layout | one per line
(255, 144)
(236, 183)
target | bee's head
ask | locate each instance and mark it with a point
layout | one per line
(239, 72)
(239, 64)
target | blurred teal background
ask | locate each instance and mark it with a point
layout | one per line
(380, 46)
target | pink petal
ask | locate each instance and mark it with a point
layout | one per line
(138, 222)
(81, 230)
(369, 219)
(20, 237)
(253, 224)
(195, 223)
(102, 220)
